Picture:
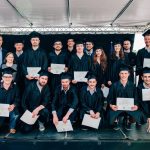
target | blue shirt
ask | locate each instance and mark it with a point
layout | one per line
(1, 57)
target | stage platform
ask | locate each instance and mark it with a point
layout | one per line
(105, 139)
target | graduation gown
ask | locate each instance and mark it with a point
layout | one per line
(63, 101)
(93, 102)
(34, 58)
(32, 97)
(142, 53)
(77, 64)
(101, 75)
(129, 91)
(20, 76)
(143, 105)
(53, 58)
(114, 68)
(130, 59)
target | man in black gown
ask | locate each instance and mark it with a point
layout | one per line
(145, 105)
(35, 99)
(34, 57)
(123, 89)
(9, 94)
(65, 101)
(142, 54)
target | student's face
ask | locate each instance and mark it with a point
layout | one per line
(7, 78)
(124, 75)
(58, 46)
(146, 78)
(65, 83)
(126, 45)
(98, 52)
(70, 42)
(92, 83)
(19, 46)
(147, 40)
(117, 47)
(10, 58)
(43, 80)
(89, 46)
(35, 41)
(79, 48)
(1, 41)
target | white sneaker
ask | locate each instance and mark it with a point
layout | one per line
(41, 126)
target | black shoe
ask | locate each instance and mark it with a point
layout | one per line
(116, 126)
(138, 125)
(128, 126)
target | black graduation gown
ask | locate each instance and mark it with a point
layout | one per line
(144, 105)
(101, 75)
(130, 59)
(53, 58)
(77, 64)
(114, 68)
(142, 53)
(93, 102)
(32, 97)
(10, 96)
(129, 91)
(20, 76)
(62, 102)
(34, 58)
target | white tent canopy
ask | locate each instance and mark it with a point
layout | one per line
(123, 16)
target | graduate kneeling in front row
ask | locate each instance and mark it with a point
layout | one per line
(35, 99)
(65, 101)
(9, 95)
(143, 91)
(92, 100)
(123, 91)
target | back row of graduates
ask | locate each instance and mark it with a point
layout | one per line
(70, 95)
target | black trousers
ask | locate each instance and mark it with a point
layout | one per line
(44, 117)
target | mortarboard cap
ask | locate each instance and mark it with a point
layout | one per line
(8, 70)
(43, 73)
(146, 70)
(66, 76)
(90, 75)
(34, 34)
(124, 67)
(146, 33)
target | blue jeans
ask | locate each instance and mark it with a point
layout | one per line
(12, 120)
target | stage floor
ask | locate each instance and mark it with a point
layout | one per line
(90, 139)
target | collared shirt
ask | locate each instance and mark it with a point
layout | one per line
(145, 86)
(91, 91)
(62, 89)
(39, 86)
(148, 49)
(89, 52)
(35, 48)
(1, 56)
(80, 56)
(127, 50)
(19, 53)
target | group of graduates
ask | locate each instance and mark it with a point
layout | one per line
(59, 97)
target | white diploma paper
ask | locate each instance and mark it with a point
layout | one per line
(146, 94)
(105, 91)
(91, 122)
(146, 62)
(64, 127)
(4, 112)
(57, 68)
(79, 76)
(28, 119)
(33, 71)
(125, 103)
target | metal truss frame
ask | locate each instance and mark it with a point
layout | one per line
(75, 30)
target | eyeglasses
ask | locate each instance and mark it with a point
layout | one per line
(7, 77)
